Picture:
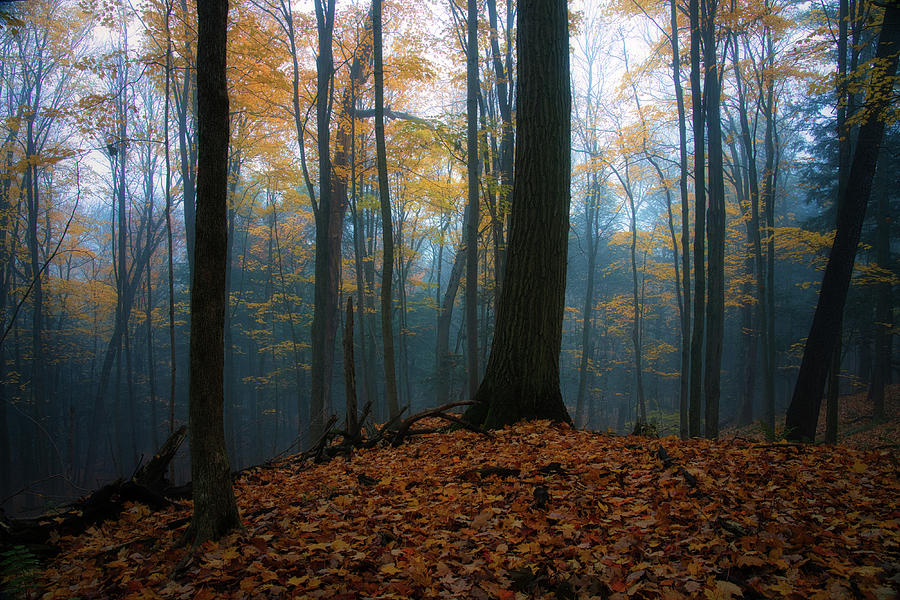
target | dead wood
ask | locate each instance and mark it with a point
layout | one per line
(148, 486)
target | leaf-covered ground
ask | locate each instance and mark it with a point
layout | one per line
(536, 511)
(856, 425)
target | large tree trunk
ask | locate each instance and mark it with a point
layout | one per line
(522, 376)
(803, 412)
(215, 510)
(327, 266)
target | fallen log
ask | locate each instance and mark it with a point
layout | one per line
(148, 486)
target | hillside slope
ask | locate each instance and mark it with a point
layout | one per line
(537, 510)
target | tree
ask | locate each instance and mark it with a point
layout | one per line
(715, 306)
(521, 380)
(327, 265)
(215, 510)
(384, 194)
(472, 86)
(684, 375)
(698, 122)
(803, 412)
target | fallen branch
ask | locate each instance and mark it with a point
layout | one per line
(147, 486)
(403, 430)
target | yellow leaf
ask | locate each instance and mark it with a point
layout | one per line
(390, 569)
(230, 554)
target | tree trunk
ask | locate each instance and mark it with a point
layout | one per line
(350, 372)
(715, 311)
(384, 194)
(215, 510)
(768, 195)
(502, 75)
(641, 418)
(522, 376)
(591, 212)
(471, 232)
(442, 353)
(186, 107)
(699, 225)
(327, 266)
(684, 375)
(172, 365)
(803, 411)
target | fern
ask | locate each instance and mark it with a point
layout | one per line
(18, 572)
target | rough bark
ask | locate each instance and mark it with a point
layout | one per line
(327, 266)
(215, 510)
(521, 380)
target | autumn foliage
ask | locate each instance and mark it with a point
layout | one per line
(535, 510)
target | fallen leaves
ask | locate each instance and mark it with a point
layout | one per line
(537, 511)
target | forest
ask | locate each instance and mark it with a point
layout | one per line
(711, 247)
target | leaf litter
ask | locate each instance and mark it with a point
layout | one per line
(538, 511)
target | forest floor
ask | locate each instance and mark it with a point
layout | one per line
(537, 510)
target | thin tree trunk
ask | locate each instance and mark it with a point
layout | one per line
(590, 224)
(771, 178)
(169, 259)
(504, 87)
(350, 372)
(715, 311)
(699, 225)
(185, 105)
(387, 330)
(684, 375)
(443, 327)
(641, 419)
(472, 86)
